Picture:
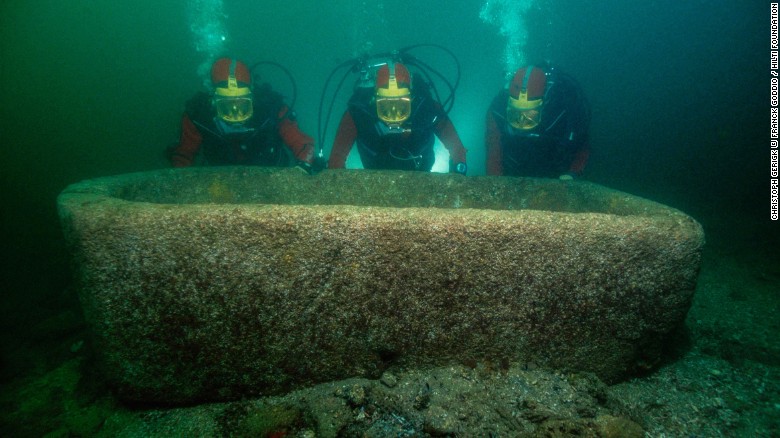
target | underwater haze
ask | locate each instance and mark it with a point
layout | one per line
(678, 92)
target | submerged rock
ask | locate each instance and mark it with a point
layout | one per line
(276, 280)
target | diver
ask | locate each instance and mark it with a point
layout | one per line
(393, 117)
(538, 126)
(240, 124)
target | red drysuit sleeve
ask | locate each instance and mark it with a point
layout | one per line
(345, 138)
(449, 137)
(183, 154)
(299, 143)
(493, 163)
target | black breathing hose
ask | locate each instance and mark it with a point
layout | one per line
(287, 72)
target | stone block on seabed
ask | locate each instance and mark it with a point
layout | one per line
(217, 283)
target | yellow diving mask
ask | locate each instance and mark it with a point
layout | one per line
(393, 94)
(234, 102)
(522, 113)
(393, 110)
(234, 109)
(523, 119)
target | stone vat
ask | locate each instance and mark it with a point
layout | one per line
(217, 283)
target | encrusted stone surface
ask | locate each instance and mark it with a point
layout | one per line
(218, 283)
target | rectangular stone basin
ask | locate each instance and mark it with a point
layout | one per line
(218, 283)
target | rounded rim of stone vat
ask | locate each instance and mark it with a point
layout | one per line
(246, 186)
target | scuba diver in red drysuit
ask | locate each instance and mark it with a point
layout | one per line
(238, 124)
(538, 126)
